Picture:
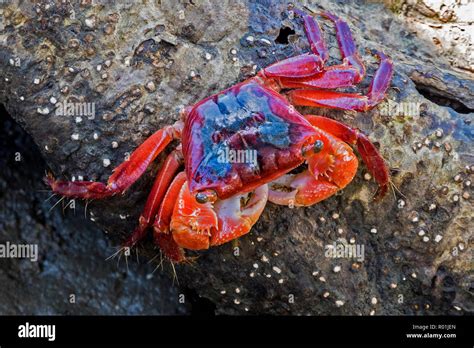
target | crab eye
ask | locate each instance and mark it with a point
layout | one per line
(201, 197)
(206, 196)
(318, 146)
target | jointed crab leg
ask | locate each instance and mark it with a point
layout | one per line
(125, 174)
(347, 45)
(160, 186)
(161, 234)
(348, 101)
(163, 217)
(314, 35)
(369, 153)
(347, 74)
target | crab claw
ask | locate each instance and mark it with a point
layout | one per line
(192, 222)
(330, 169)
(238, 214)
(198, 226)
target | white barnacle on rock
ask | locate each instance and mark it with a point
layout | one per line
(106, 162)
(75, 136)
(91, 22)
(43, 110)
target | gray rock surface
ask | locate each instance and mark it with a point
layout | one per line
(139, 65)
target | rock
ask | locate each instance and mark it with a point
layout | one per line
(71, 274)
(170, 44)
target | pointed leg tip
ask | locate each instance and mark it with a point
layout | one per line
(381, 192)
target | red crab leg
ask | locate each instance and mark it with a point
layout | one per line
(347, 74)
(160, 186)
(348, 101)
(125, 174)
(369, 153)
(329, 170)
(347, 45)
(304, 65)
(161, 234)
(314, 35)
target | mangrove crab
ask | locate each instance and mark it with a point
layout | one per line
(217, 198)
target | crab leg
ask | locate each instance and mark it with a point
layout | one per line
(162, 181)
(162, 236)
(347, 74)
(347, 45)
(125, 174)
(329, 170)
(369, 153)
(302, 66)
(348, 101)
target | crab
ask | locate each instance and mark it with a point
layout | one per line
(298, 160)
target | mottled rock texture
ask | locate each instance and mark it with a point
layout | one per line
(139, 64)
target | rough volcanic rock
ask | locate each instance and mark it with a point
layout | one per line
(70, 275)
(138, 65)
